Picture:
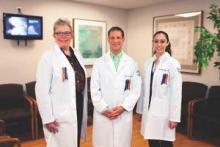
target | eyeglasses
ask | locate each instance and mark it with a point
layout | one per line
(63, 33)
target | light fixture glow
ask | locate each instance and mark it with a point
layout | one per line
(191, 14)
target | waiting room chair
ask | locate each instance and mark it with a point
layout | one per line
(30, 89)
(7, 141)
(90, 104)
(2, 127)
(190, 92)
(205, 113)
(15, 109)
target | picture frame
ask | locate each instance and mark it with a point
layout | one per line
(89, 38)
(182, 35)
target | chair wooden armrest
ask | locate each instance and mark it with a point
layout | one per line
(2, 122)
(30, 102)
(2, 127)
(190, 112)
(35, 110)
(4, 136)
(7, 139)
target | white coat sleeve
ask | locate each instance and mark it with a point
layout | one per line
(175, 92)
(140, 102)
(99, 104)
(135, 90)
(43, 84)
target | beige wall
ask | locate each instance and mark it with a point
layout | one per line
(140, 22)
(18, 63)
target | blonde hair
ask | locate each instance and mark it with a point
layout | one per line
(61, 22)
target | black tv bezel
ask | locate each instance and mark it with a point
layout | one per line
(20, 37)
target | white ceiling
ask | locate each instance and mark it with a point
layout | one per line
(124, 4)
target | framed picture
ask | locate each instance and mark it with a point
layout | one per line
(182, 35)
(89, 38)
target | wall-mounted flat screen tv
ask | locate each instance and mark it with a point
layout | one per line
(22, 27)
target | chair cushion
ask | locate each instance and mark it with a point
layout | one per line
(208, 110)
(192, 90)
(14, 114)
(214, 92)
(11, 92)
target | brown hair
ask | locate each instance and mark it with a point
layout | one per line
(116, 28)
(168, 48)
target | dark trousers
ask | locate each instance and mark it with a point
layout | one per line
(160, 143)
(79, 108)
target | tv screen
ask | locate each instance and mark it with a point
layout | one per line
(22, 27)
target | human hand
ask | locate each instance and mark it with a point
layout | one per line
(118, 110)
(52, 127)
(109, 113)
(172, 124)
(106, 113)
(114, 112)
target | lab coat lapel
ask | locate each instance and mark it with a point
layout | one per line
(76, 52)
(122, 62)
(60, 56)
(155, 68)
(160, 65)
(109, 63)
(163, 59)
(65, 63)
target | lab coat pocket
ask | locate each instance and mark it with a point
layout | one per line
(57, 72)
(60, 73)
(163, 76)
(163, 91)
(127, 82)
(159, 107)
(126, 94)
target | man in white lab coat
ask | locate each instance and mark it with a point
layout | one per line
(115, 88)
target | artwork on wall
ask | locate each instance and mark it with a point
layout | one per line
(181, 30)
(89, 38)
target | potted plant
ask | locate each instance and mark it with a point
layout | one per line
(208, 42)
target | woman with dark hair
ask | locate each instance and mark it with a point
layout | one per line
(162, 94)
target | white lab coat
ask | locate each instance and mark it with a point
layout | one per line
(165, 101)
(139, 106)
(56, 98)
(108, 90)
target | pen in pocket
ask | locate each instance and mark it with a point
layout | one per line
(164, 79)
(64, 74)
(127, 84)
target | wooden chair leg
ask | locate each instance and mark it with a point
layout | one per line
(35, 122)
(190, 127)
(190, 116)
(36, 125)
(189, 121)
(33, 128)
